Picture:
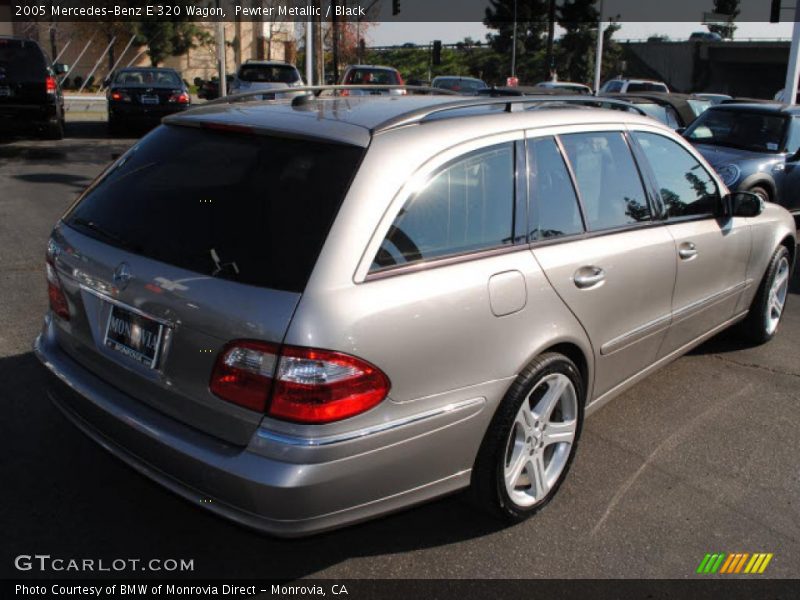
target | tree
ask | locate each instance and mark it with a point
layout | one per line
(169, 38)
(576, 49)
(725, 7)
(531, 28)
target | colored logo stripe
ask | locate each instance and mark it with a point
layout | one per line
(737, 562)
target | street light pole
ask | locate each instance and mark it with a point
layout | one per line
(514, 44)
(793, 68)
(598, 55)
(309, 54)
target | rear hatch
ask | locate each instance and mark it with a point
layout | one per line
(148, 89)
(23, 73)
(193, 238)
(263, 77)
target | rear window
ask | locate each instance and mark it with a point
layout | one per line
(647, 87)
(247, 208)
(148, 77)
(268, 73)
(21, 61)
(373, 76)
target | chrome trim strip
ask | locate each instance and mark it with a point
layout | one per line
(698, 305)
(127, 307)
(643, 331)
(292, 440)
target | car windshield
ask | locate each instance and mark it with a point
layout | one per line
(254, 209)
(748, 130)
(665, 114)
(268, 74)
(148, 77)
(460, 85)
(646, 86)
(372, 76)
(699, 106)
(21, 61)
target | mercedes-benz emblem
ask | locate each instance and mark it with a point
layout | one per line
(122, 275)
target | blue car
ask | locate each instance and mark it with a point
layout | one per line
(754, 147)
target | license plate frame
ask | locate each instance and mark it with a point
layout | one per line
(149, 99)
(134, 335)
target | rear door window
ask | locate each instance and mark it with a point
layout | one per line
(21, 62)
(249, 208)
(466, 207)
(686, 188)
(608, 179)
(554, 205)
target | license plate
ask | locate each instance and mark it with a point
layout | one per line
(5, 91)
(135, 336)
(149, 99)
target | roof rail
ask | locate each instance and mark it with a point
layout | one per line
(318, 89)
(512, 104)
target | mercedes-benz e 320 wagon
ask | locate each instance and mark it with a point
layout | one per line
(319, 311)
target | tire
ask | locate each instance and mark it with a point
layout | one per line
(54, 131)
(761, 192)
(113, 127)
(510, 493)
(769, 304)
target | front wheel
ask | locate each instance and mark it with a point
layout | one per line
(531, 441)
(767, 308)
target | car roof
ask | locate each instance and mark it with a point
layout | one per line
(155, 69)
(384, 67)
(458, 77)
(764, 107)
(679, 102)
(267, 63)
(354, 119)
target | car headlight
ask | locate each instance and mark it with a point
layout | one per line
(729, 173)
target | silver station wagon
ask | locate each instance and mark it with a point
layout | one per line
(304, 314)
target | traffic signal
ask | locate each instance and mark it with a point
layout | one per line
(395, 7)
(437, 51)
(775, 12)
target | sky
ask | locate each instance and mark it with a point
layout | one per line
(390, 34)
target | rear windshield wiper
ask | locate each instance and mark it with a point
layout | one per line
(109, 236)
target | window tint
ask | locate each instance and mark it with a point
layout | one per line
(268, 73)
(250, 208)
(21, 61)
(686, 187)
(148, 77)
(554, 205)
(608, 179)
(645, 86)
(793, 138)
(372, 76)
(467, 206)
(614, 86)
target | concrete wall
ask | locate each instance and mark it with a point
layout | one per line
(752, 69)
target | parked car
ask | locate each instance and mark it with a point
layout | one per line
(674, 110)
(565, 87)
(30, 93)
(713, 98)
(705, 36)
(308, 322)
(142, 96)
(255, 75)
(372, 75)
(626, 86)
(754, 147)
(209, 89)
(467, 86)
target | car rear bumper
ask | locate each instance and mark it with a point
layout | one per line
(16, 116)
(139, 113)
(283, 498)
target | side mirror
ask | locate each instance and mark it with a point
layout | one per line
(61, 68)
(745, 204)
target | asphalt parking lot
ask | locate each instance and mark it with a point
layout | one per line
(701, 457)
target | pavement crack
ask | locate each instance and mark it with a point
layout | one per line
(756, 366)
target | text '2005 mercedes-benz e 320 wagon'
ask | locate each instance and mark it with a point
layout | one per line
(321, 310)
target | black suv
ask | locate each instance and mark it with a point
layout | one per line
(30, 94)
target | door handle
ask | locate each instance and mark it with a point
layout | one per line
(588, 276)
(687, 250)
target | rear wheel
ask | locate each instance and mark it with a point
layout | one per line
(54, 131)
(768, 306)
(529, 446)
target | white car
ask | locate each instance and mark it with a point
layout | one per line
(626, 86)
(255, 75)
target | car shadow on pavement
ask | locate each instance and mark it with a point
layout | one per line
(67, 497)
(77, 181)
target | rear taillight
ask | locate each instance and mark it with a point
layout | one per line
(303, 385)
(403, 92)
(51, 84)
(182, 98)
(58, 301)
(120, 97)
